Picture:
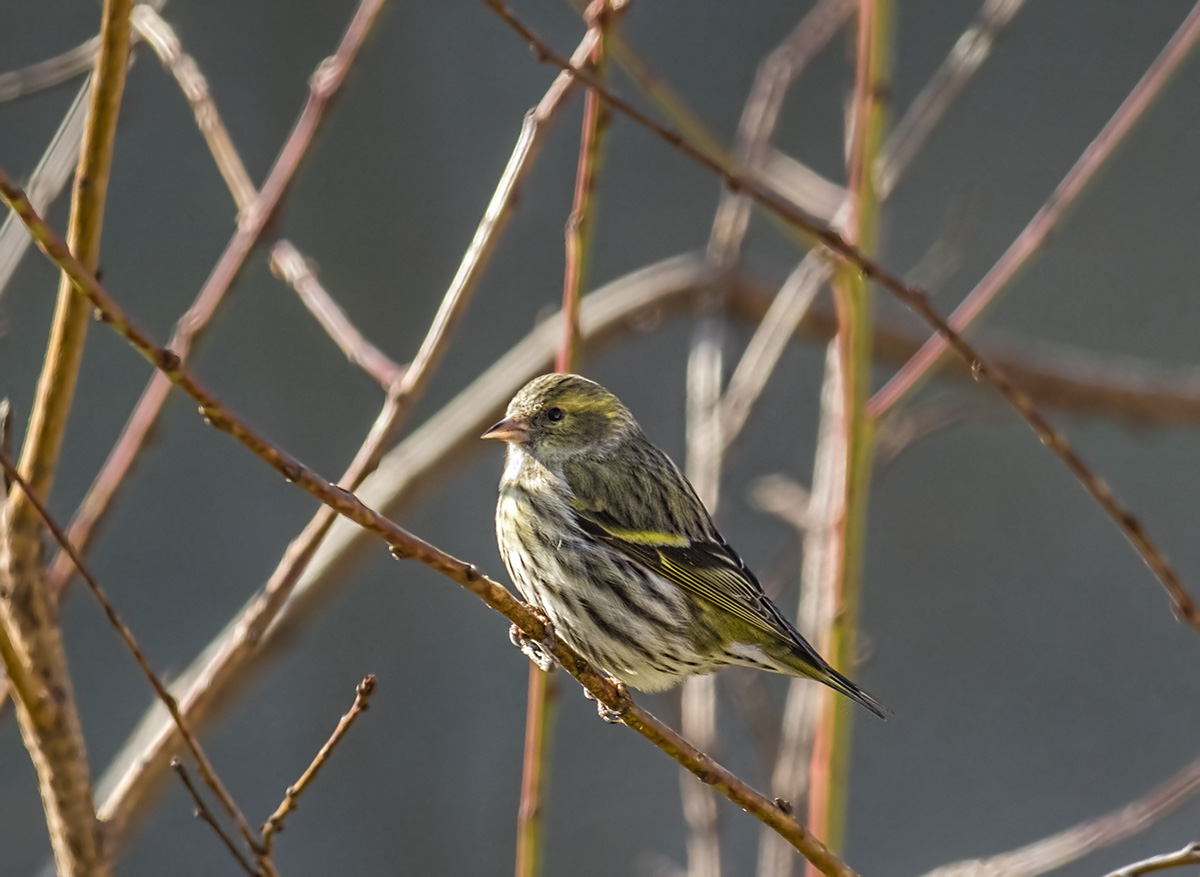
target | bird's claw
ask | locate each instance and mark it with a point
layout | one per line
(534, 650)
(611, 715)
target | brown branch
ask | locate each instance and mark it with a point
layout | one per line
(918, 302)
(322, 87)
(291, 798)
(1072, 844)
(1036, 231)
(406, 545)
(201, 811)
(193, 744)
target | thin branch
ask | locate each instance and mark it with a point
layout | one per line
(202, 812)
(918, 302)
(193, 744)
(291, 798)
(965, 58)
(288, 264)
(1189, 855)
(1036, 231)
(1061, 849)
(406, 545)
(51, 72)
(322, 87)
(162, 39)
(775, 75)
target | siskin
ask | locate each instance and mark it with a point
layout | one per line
(604, 534)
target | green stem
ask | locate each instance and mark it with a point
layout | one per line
(831, 750)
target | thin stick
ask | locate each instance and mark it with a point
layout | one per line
(193, 744)
(51, 72)
(407, 545)
(288, 264)
(322, 86)
(918, 302)
(1067, 846)
(291, 798)
(1038, 229)
(202, 812)
(1189, 855)
(970, 51)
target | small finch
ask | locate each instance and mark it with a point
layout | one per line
(604, 534)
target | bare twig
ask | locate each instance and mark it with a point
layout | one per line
(322, 87)
(206, 769)
(775, 75)
(291, 798)
(201, 811)
(918, 302)
(287, 263)
(409, 546)
(1189, 855)
(1072, 844)
(969, 52)
(51, 72)
(1035, 232)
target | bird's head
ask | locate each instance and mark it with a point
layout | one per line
(558, 417)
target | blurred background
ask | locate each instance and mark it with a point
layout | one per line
(1035, 669)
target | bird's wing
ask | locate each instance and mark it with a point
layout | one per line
(707, 567)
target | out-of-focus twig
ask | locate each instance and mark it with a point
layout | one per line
(291, 798)
(1036, 231)
(405, 545)
(49, 73)
(1064, 847)
(965, 58)
(291, 266)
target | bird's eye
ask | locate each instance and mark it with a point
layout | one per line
(555, 414)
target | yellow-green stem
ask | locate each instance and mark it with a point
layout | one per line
(831, 750)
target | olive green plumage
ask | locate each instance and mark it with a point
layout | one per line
(601, 531)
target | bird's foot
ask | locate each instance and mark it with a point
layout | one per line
(536, 651)
(612, 715)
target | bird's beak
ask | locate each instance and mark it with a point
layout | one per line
(511, 429)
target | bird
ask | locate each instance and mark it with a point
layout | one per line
(602, 533)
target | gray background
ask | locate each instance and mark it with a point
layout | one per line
(1033, 664)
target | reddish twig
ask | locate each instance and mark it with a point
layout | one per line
(291, 798)
(1036, 231)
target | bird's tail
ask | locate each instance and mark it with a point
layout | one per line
(804, 661)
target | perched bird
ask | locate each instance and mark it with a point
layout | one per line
(603, 533)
